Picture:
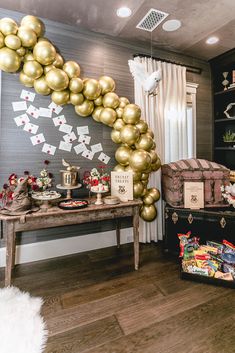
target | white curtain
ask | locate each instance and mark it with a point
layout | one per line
(166, 115)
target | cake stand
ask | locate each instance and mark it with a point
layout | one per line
(99, 196)
(45, 197)
(69, 189)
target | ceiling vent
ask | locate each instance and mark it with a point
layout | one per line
(151, 20)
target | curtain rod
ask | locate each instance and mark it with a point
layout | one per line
(189, 68)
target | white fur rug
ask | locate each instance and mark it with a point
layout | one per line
(22, 329)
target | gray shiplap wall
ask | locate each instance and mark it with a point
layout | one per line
(97, 55)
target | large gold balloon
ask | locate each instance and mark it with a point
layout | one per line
(13, 42)
(44, 52)
(155, 193)
(27, 36)
(148, 213)
(155, 166)
(60, 97)
(140, 160)
(122, 155)
(59, 61)
(136, 175)
(119, 112)
(91, 89)
(142, 126)
(21, 51)
(145, 142)
(129, 134)
(8, 26)
(148, 199)
(115, 136)
(2, 42)
(118, 125)
(99, 101)
(76, 98)
(131, 114)
(138, 189)
(96, 113)
(107, 84)
(76, 85)
(154, 156)
(108, 116)
(33, 23)
(119, 168)
(123, 102)
(72, 69)
(57, 79)
(85, 109)
(9, 60)
(26, 80)
(47, 68)
(41, 86)
(33, 69)
(111, 100)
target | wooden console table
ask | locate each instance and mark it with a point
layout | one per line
(57, 218)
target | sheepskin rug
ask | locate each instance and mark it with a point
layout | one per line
(22, 328)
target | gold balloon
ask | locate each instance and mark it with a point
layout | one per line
(123, 102)
(9, 60)
(142, 126)
(57, 79)
(122, 155)
(115, 136)
(26, 80)
(136, 175)
(150, 132)
(91, 89)
(155, 193)
(144, 176)
(155, 166)
(44, 52)
(27, 36)
(131, 114)
(148, 213)
(96, 113)
(144, 192)
(119, 168)
(154, 145)
(154, 156)
(13, 42)
(29, 57)
(129, 134)
(85, 109)
(138, 189)
(72, 69)
(59, 61)
(118, 125)
(119, 112)
(21, 51)
(145, 142)
(140, 160)
(145, 182)
(76, 85)
(111, 100)
(60, 97)
(47, 68)
(8, 26)
(76, 98)
(99, 101)
(41, 86)
(33, 69)
(43, 39)
(107, 84)
(2, 42)
(148, 200)
(108, 116)
(33, 23)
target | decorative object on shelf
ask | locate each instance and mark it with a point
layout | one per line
(226, 112)
(69, 177)
(122, 185)
(225, 82)
(72, 204)
(97, 181)
(229, 138)
(45, 197)
(228, 193)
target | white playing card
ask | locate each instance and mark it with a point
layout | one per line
(55, 108)
(37, 139)
(26, 95)
(49, 149)
(19, 106)
(65, 146)
(66, 128)
(104, 158)
(80, 148)
(85, 139)
(59, 120)
(21, 119)
(70, 137)
(34, 112)
(96, 148)
(32, 128)
(45, 112)
(88, 154)
(83, 130)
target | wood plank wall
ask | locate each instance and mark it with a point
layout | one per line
(97, 55)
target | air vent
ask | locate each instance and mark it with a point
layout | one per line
(151, 20)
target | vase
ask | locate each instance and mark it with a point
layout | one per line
(225, 82)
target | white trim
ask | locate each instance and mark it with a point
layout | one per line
(66, 246)
(192, 89)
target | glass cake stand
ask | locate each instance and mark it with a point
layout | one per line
(45, 197)
(69, 189)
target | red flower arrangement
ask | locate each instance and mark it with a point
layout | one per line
(95, 177)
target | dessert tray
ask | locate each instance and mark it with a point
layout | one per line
(72, 204)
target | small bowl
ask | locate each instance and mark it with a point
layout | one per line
(111, 200)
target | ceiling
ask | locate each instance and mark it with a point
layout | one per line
(200, 19)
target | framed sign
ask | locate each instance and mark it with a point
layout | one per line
(193, 195)
(122, 185)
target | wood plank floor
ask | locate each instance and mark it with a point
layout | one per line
(96, 303)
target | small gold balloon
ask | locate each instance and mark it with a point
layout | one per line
(148, 200)
(118, 125)
(111, 100)
(21, 51)
(119, 168)
(123, 102)
(29, 57)
(148, 213)
(144, 192)
(119, 112)
(59, 61)
(122, 155)
(76, 98)
(2, 42)
(47, 68)
(91, 89)
(12, 41)
(44, 52)
(85, 109)
(27, 36)
(154, 156)
(72, 69)
(96, 113)
(26, 80)
(145, 142)
(33, 23)
(9, 60)
(155, 166)
(108, 116)
(98, 101)
(129, 134)
(115, 136)
(154, 145)
(150, 132)
(140, 160)
(131, 114)
(60, 97)
(142, 126)
(8, 26)
(33, 69)
(76, 85)
(155, 193)
(57, 79)
(41, 86)
(144, 176)
(107, 84)
(138, 189)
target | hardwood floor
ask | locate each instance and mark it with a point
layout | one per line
(96, 303)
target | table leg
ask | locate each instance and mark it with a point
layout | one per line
(10, 251)
(118, 233)
(136, 236)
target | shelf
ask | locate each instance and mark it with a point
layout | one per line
(225, 92)
(224, 120)
(225, 148)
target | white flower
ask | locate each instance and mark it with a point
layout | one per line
(43, 173)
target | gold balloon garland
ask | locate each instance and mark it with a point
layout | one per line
(23, 48)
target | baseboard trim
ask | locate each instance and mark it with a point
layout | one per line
(66, 246)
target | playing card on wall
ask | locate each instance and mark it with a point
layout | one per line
(122, 185)
(37, 139)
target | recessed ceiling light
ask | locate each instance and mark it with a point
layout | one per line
(124, 12)
(171, 25)
(212, 40)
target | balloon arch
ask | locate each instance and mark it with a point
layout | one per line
(23, 48)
